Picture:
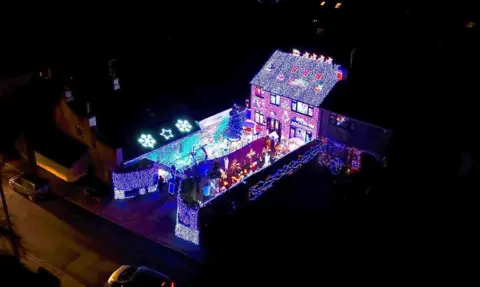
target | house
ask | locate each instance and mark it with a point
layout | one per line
(122, 122)
(287, 93)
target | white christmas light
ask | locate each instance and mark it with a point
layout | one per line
(183, 126)
(147, 141)
(167, 134)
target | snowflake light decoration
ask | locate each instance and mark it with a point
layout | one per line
(183, 126)
(147, 141)
(167, 134)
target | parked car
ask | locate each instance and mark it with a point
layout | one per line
(127, 276)
(29, 185)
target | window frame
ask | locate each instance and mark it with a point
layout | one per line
(261, 117)
(275, 99)
(349, 126)
(294, 107)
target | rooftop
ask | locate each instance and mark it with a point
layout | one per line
(307, 78)
(60, 148)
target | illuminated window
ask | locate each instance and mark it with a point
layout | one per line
(259, 117)
(318, 76)
(322, 3)
(342, 122)
(68, 95)
(258, 91)
(305, 72)
(302, 108)
(295, 69)
(275, 99)
(116, 84)
(338, 5)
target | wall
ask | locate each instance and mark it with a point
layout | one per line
(105, 158)
(283, 113)
(364, 136)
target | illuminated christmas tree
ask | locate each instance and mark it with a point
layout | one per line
(235, 124)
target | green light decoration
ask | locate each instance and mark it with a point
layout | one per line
(167, 134)
(183, 126)
(147, 141)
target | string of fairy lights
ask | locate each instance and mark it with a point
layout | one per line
(324, 151)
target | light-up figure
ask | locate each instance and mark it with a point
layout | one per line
(147, 141)
(167, 134)
(183, 126)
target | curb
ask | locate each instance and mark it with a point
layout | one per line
(129, 230)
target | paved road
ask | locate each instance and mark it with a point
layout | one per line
(86, 247)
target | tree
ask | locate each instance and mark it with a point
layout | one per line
(235, 124)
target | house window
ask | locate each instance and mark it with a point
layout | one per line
(116, 84)
(302, 108)
(275, 99)
(310, 111)
(258, 92)
(259, 117)
(342, 122)
(294, 69)
(318, 76)
(305, 72)
(79, 130)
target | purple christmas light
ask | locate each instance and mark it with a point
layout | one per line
(187, 222)
(135, 179)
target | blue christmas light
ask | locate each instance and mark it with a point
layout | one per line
(135, 179)
(187, 222)
(258, 189)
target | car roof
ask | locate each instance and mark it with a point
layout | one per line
(33, 178)
(146, 270)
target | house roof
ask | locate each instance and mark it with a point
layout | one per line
(304, 78)
(121, 124)
(60, 148)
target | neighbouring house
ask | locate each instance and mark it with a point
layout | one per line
(74, 118)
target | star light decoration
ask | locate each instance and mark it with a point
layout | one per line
(183, 126)
(167, 134)
(147, 141)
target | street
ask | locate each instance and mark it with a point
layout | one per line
(85, 246)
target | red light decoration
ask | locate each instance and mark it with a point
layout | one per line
(339, 75)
